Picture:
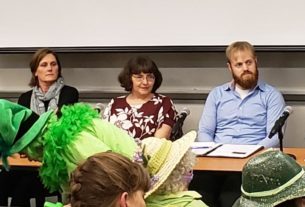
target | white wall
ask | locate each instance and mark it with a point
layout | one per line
(58, 23)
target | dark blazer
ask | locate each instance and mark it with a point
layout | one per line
(68, 95)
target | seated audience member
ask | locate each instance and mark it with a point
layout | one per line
(170, 166)
(59, 143)
(272, 179)
(143, 112)
(49, 92)
(108, 179)
(242, 111)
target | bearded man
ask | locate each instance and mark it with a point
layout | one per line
(244, 110)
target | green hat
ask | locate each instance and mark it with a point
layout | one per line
(269, 179)
(164, 155)
(19, 126)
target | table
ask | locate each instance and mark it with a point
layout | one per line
(236, 164)
(22, 162)
(203, 163)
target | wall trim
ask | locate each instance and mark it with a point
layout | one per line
(184, 97)
(150, 49)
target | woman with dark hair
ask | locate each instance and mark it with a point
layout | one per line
(49, 90)
(143, 112)
(49, 93)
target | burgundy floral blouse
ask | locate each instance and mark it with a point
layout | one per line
(141, 121)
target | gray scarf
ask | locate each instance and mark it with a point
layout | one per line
(38, 97)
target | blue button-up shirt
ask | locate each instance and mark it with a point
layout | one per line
(229, 119)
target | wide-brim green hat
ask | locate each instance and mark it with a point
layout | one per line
(19, 126)
(269, 179)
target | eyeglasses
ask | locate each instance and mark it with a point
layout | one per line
(141, 78)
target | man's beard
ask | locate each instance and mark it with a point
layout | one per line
(247, 80)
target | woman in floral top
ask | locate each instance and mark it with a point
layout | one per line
(143, 112)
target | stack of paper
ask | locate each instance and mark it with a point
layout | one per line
(233, 150)
(213, 149)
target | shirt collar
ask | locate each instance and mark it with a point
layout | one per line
(230, 86)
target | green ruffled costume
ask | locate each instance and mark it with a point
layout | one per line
(49, 204)
(68, 141)
(180, 199)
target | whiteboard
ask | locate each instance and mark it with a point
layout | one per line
(99, 23)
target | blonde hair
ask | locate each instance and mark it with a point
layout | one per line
(103, 177)
(176, 182)
(239, 46)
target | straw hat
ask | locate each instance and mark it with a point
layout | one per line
(269, 179)
(19, 126)
(163, 156)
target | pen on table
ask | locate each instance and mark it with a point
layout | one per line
(240, 153)
(201, 147)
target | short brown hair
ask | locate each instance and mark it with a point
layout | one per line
(103, 177)
(37, 57)
(239, 46)
(137, 65)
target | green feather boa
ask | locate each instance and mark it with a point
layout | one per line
(59, 135)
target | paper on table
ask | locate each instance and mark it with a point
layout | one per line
(233, 150)
(202, 148)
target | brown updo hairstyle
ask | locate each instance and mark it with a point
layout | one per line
(37, 57)
(103, 177)
(137, 65)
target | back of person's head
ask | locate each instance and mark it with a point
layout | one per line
(239, 46)
(137, 65)
(180, 177)
(103, 177)
(270, 179)
(169, 163)
(37, 57)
